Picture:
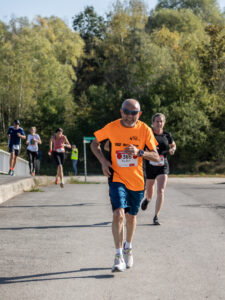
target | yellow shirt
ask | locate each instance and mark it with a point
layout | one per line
(74, 154)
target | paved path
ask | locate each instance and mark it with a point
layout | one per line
(62, 249)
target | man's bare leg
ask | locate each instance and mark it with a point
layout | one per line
(130, 226)
(117, 227)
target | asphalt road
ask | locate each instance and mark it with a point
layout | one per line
(57, 245)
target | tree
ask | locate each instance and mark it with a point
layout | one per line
(184, 21)
(90, 26)
(211, 54)
(208, 10)
(92, 29)
(37, 62)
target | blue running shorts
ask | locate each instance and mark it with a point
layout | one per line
(121, 197)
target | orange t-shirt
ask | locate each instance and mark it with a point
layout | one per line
(127, 169)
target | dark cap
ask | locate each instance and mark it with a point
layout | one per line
(17, 122)
(58, 130)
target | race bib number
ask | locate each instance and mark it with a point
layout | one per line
(16, 147)
(159, 163)
(124, 160)
(60, 150)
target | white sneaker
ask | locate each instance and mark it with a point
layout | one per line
(119, 264)
(128, 257)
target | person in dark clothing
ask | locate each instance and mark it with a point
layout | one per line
(15, 134)
(158, 171)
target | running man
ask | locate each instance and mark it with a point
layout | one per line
(15, 134)
(128, 137)
(58, 142)
(33, 140)
(158, 171)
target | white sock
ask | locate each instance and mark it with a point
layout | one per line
(128, 245)
(119, 251)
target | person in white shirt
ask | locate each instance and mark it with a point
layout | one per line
(33, 140)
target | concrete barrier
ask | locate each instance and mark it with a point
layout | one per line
(13, 186)
(21, 168)
(20, 185)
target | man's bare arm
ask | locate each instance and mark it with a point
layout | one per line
(96, 149)
(21, 136)
(152, 155)
(149, 155)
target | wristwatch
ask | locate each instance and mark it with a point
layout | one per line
(141, 153)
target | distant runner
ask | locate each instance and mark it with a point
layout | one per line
(15, 134)
(128, 137)
(158, 170)
(57, 145)
(33, 140)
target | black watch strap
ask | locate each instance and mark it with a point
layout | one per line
(141, 153)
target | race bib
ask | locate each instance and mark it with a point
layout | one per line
(60, 150)
(159, 163)
(16, 147)
(32, 142)
(124, 160)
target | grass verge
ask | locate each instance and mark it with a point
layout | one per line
(34, 190)
(75, 181)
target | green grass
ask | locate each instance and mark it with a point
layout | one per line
(197, 175)
(75, 181)
(34, 190)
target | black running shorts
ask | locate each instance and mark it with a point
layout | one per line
(153, 171)
(59, 157)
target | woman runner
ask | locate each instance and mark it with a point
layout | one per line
(158, 170)
(57, 145)
(33, 140)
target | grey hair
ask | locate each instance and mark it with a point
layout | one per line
(129, 101)
(158, 115)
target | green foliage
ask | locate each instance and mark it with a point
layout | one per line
(172, 61)
(89, 25)
(184, 21)
(37, 73)
(212, 57)
(207, 10)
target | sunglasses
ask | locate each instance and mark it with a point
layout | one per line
(130, 112)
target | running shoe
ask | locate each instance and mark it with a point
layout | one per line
(56, 180)
(10, 171)
(128, 257)
(62, 185)
(156, 220)
(119, 264)
(144, 204)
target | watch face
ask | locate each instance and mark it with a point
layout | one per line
(141, 152)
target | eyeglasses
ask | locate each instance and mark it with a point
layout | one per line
(130, 112)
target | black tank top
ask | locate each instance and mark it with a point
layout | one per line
(164, 140)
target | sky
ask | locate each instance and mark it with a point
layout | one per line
(64, 9)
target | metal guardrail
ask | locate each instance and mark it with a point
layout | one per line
(21, 168)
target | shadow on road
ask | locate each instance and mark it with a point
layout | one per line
(55, 205)
(104, 224)
(215, 206)
(35, 277)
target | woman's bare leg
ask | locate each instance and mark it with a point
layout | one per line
(161, 185)
(149, 189)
